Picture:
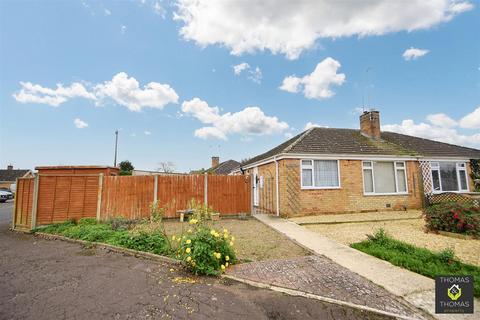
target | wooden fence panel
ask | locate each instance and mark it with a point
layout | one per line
(23, 203)
(127, 196)
(229, 195)
(175, 192)
(65, 197)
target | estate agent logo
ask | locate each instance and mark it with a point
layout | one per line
(454, 294)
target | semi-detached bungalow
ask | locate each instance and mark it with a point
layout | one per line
(328, 170)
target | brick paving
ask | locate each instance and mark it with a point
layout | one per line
(321, 276)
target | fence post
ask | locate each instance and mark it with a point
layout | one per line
(155, 188)
(35, 201)
(205, 189)
(14, 214)
(252, 207)
(99, 196)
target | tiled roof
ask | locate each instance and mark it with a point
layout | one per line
(12, 175)
(225, 167)
(352, 142)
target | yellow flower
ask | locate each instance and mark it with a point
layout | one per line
(178, 240)
(212, 232)
(189, 258)
(226, 264)
(188, 241)
(225, 231)
(227, 258)
(188, 250)
(225, 235)
(217, 255)
(231, 243)
(193, 263)
(173, 237)
(233, 238)
(223, 267)
(189, 231)
(193, 221)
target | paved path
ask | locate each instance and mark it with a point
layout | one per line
(320, 276)
(414, 288)
(48, 279)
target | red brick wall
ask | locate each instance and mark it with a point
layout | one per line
(349, 198)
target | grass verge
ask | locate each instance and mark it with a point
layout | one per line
(419, 260)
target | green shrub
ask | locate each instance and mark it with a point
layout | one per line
(453, 217)
(58, 228)
(419, 260)
(147, 242)
(206, 251)
(87, 221)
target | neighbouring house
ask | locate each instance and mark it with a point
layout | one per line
(9, 176)
(136, 172)
(78, 170)
(328, 170)
(220, 168)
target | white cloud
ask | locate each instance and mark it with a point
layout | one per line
(158, 9)
(310, 125)
(127, 92)
(123, 30)
(147, 133)
(290, 27)
(441, 120)
(471, 120)
(122, 89)
(247, 122)
(414, 53)
(441, 128)
(256, 75)
(253, 74)
(34, 93)
(80, 124)
(316, 85)
(237, 69)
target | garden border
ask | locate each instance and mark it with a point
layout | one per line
(101, 245)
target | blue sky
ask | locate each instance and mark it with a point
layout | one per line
(103, 46)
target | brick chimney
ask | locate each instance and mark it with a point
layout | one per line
(9, 167)
(215, 161)
(370, 124)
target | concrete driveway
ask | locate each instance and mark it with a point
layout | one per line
(45, 279)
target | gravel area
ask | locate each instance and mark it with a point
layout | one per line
(364, 216)
(410, 231)
(254, 241)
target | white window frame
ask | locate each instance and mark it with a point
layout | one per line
(435, 166)
(311, 167)
(396, 167)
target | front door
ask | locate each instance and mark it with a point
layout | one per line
(255, 187)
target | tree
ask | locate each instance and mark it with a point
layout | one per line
(166, 166)
(126, 168)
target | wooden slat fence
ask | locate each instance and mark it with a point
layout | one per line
(175, 192)
(63, 197)
(129, 197)
(22, 213)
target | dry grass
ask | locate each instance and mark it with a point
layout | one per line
(410, 231)
(253, 240)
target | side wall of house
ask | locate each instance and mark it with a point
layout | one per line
(349, 198)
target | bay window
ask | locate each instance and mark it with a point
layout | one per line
(319, 174)
(449, 176)
(384, 177)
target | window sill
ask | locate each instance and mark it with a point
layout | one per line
(320, 188)
(440, 192)
(386, 194)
